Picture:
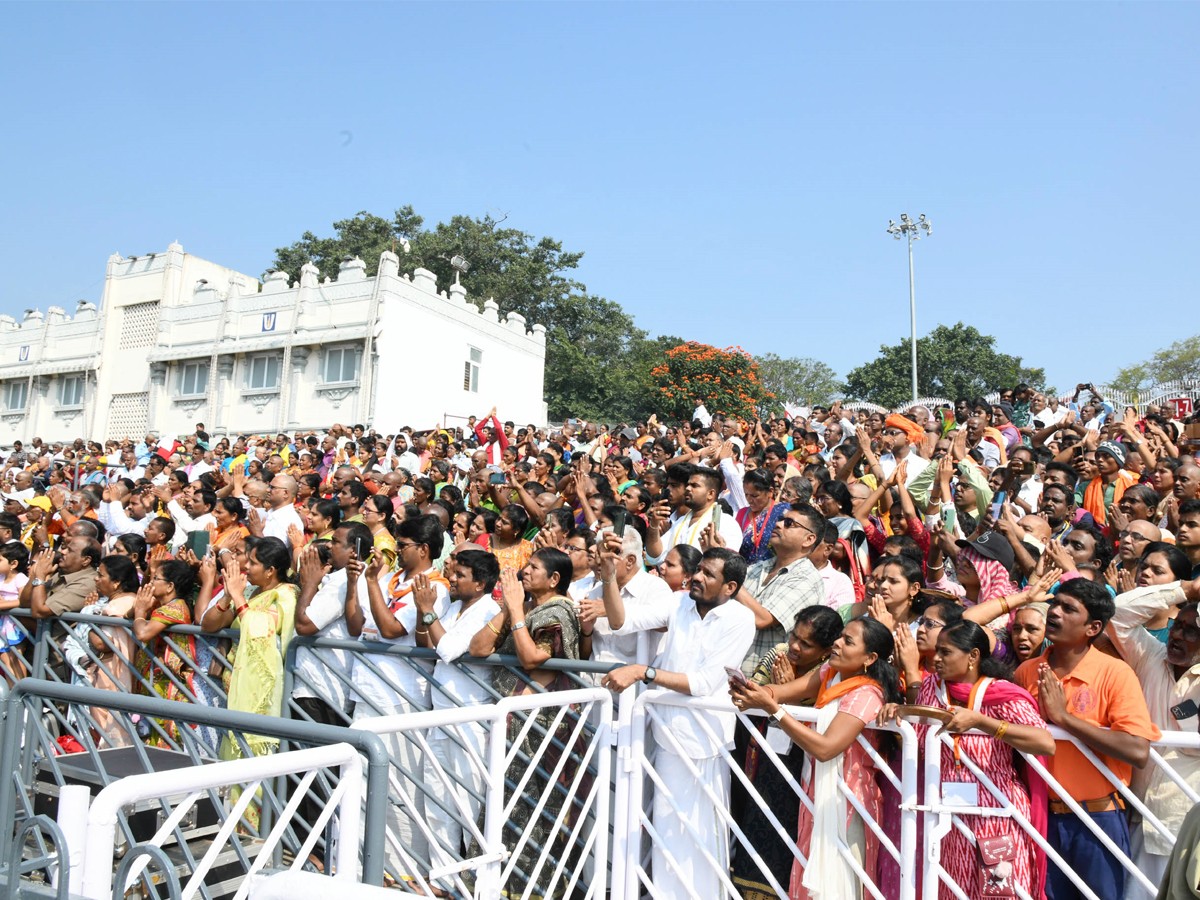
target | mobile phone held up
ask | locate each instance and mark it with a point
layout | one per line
(197, 542)
(998, 504)
(620, 519)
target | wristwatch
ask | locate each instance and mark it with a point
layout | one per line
(36, 582)
(779, 715)
(651, 674)
(428, 619)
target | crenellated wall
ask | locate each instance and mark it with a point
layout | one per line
(178, 339)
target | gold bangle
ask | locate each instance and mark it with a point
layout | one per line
(999, 735)
(1004, 605)
(495, 630)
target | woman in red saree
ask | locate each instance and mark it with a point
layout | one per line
(1004, 856)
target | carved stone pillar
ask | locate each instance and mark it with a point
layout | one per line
(158, 378)
(298, 392)
(223, 394)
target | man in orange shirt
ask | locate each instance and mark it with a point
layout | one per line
(1098, 700)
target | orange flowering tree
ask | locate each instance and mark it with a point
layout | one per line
(725, 381)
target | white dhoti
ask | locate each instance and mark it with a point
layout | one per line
(406, 850)
(699, 852)
(465, 773)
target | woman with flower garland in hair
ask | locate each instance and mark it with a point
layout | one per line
(850, 690)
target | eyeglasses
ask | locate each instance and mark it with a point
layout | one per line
(785, 522)
(925, 622)
(1132, 535)
(401, 547)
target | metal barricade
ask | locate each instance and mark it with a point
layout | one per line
(96, 875)
(948, 822)
(696, 852)
(37, 770)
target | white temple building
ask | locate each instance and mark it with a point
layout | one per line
(178, 340)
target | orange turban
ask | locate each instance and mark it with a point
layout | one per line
(915, 432)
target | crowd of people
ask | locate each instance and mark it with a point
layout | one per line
(987, 568)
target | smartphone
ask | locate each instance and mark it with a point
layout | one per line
(1184, 710)
(498, 478)
(620, 517)
(735, 675)
(197, 542)
(998, 504)
(362, 547)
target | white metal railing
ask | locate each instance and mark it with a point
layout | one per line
(95, 875)
(594, 761)
(631, 877)
(569, 797)
(942, 817)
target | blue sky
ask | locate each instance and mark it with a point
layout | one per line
(729, 169)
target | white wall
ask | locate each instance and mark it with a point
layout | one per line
(161, 312)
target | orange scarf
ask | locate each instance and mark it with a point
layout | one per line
(1093, 494)
(828, 694)
(397, 594)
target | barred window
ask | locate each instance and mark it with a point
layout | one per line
(341, 365)
(471, 370)
(193, 379)
(70, 390)
(262, 372)
(15, 394)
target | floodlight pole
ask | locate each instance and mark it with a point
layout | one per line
(911, 230)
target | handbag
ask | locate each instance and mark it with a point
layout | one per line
(997, 856)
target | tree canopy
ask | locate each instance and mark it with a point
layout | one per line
(597, 360)
(1179, 362)
(798, 380)
(953, 362)
(724, 380)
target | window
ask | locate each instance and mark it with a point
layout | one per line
(15, 394)
(471, 370)
(70, 390)
(341, 365)
(262, 373)
(193, 379)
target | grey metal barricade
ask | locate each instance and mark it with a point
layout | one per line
(33, 771)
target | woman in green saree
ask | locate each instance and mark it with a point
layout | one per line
(265, 616)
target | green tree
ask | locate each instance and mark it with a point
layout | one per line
(1179, 362)
(598, 361)
(798, 380)
(953, 362)
(724, 381)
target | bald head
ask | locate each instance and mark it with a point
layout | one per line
(1035, 527)
(1187, 482)
(1134, 540)
(283, 491)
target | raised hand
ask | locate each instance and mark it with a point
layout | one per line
(513, 594)
(1051, 697)
(311, 570)
(424, 596)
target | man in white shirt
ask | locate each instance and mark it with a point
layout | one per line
(281, 510)
(700, 497)
(638, 588)
(401, 685)
(404, 457)
(707, 633)
(322, 676)
(129, 467)
(120, 513)
(578, 546)
(458, 752)
(195, 517)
